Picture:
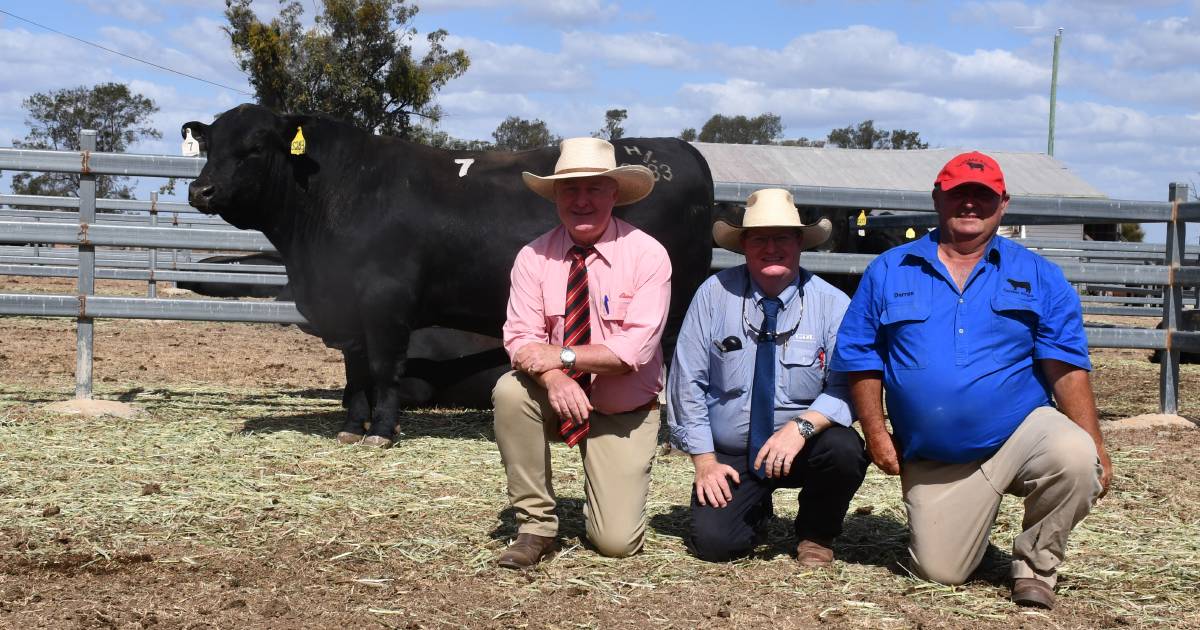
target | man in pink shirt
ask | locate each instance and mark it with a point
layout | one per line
(586, 313)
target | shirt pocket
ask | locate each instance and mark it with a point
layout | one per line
(1013, 329)
(803, 371)
(904, 322)
(614, 310)
(728, 373)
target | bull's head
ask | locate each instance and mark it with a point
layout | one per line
(249, 167)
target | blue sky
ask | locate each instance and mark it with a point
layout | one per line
(964, 74)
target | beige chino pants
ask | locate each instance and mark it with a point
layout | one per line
(617, 456)
(1049, 461)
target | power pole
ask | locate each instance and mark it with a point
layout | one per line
(1053, 92)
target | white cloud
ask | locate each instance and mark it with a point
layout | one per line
(867, 57)
(128, 10)
(559, 12)
(513, 68)
(638, 49)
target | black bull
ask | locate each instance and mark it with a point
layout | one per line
(382, 237)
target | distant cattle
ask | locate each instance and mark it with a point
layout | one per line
(382, 237)
(239, 289)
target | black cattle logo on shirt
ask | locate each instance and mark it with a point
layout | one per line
(1020, 284)
(975, 166)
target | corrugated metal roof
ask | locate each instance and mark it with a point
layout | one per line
(1024, 173)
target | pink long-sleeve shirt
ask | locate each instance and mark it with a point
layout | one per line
(629, 290)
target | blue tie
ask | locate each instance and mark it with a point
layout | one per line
(762, 395)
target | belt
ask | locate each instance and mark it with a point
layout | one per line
(650, 406)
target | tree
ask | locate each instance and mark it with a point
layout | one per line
(866, 136)
(803, 142)
(518, 134)
(1132, 233)
(443, 140)
(762, 129)
(355, 64)
(688, 134)
(119, 117)
(612, 125)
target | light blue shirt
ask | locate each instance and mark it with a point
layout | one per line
(709, 388)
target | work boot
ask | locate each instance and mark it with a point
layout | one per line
(810, 553)
(527, 550)
(1033, 593)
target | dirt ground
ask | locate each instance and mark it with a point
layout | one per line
(227, 504)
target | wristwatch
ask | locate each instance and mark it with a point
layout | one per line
(567, 356)
(807, 430)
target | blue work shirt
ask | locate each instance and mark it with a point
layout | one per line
(959, 369)
(709, 388)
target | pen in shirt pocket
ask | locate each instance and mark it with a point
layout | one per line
(606, 305)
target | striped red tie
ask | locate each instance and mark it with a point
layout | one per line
(577, 331)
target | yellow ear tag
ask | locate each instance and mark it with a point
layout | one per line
(862, 218)
(910, 233)
(298, 144)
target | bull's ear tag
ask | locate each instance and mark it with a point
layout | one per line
(190, 147)
(861, 221)
(910, 233)
(298, 145)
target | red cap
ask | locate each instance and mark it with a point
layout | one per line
(973, 167)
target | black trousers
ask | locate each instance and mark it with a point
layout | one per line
(828, 470)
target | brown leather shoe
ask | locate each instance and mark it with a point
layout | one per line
(527, 550)
(1032, 592)
(810, 553)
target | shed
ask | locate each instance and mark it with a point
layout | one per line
(1025, 173)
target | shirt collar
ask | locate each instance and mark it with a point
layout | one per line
(926, 248)
(605, 247)
(789, 293)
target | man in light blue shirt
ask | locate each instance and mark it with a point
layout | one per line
(750, 397)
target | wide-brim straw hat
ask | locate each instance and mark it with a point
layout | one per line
(771, 207)
(591, 157)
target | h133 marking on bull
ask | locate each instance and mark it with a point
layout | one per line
(661, 170)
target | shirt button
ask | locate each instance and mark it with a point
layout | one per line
(960, 300)
(960, 331)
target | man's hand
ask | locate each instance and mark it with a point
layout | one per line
(712, 487)
(780, 450)
(1106, 470)
(566, 396)
(881, 447)
(537, 358)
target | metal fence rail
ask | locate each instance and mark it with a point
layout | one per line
(86, 231)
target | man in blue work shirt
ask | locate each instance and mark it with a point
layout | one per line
(750, 398)
(971, 335)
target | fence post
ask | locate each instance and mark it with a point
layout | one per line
(84, 331)
(1168, 372)
(152, 285)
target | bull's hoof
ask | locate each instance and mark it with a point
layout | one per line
(346, 437)
(377, 440)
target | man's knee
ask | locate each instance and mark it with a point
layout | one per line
(509, 391)
(712, 545)
(616, 544)
(1074, 456)
(840, 453)
(940, 570)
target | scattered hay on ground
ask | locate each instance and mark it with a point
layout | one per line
(235, 507)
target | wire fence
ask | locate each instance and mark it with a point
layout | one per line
(1151, 278)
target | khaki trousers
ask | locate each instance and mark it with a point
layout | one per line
(617, 455)
(1049, 461)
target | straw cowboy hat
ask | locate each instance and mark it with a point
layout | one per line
(589, 157)
(771, 207)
